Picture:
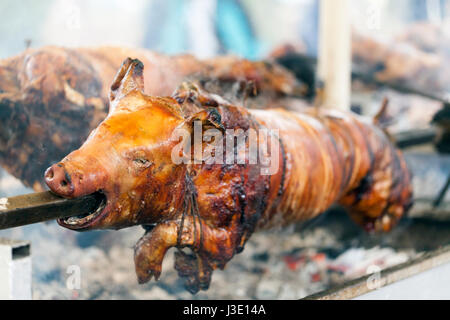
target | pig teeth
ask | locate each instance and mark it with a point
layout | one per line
(85, 218)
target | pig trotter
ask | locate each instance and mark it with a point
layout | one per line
(211, 248)
(147, 259)
(195, 271)
(150, 251)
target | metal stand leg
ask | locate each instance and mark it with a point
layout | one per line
(15, 270)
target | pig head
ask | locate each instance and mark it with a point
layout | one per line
(128, 159)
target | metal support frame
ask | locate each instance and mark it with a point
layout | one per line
(15, 270)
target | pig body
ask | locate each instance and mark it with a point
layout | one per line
(213, 207)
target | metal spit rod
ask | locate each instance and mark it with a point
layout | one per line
(42, 206)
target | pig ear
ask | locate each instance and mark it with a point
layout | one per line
(210, 118)
(128, 78)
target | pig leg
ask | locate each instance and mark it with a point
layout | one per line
(195, 270)
(151, 248)
(383, 196)
(212, 248)
(215, 248)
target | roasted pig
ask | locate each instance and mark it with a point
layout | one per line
(401, 63)
(51, 98)
(163, 163)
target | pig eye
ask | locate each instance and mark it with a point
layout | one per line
(143, 163)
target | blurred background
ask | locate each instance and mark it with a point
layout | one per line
(402, 42)
(202, 27)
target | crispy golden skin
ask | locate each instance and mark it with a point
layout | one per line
(52, 97)
(213, 208)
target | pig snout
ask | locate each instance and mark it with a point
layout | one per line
(74, 184)
(59, 181)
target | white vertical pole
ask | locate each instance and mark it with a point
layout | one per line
(15, 270)
(334, 68)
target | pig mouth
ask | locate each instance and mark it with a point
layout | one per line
(86, 220)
